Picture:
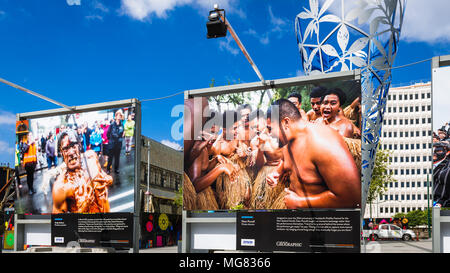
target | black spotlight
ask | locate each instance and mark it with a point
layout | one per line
(216, 26)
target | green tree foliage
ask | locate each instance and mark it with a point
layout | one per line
(415, 217)
(380, 177)
(283, 93)
(179, 197)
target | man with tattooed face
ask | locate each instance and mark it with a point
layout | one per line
(82, 186)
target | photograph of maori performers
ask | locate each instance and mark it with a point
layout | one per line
(284, 148)
(77, 163)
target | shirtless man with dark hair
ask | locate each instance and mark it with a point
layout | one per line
(203, 172)
(321, 170)
(296, 99)
(332, 116)
(315, 99)
(80, 188)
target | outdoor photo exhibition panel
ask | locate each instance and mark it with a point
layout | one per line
(80, 167)
(287, 158)
(440, 154)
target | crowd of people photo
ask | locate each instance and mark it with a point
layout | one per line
(282, 158)
(441, 166)
(72, 159)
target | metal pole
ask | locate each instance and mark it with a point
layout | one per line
(148, 167)
(241, 46)
(35, 94)
(428, 205)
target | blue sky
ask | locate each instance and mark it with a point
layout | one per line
(81, 52)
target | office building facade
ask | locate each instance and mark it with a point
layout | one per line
(407, 134)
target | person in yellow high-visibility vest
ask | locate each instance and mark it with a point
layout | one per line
(28, 147)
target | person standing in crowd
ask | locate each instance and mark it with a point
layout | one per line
(315, 99)
(129, 133)
(105, 141)
(28, 148)
(95, 140)
(87, 135)
(50, 151)
(17, 165)
(115, 137)
(296, 99)
(81, 138)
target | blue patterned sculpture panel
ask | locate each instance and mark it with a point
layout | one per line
(340, 35)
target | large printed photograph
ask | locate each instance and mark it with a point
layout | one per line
(285, 148)
(441, 137)
(76, 163)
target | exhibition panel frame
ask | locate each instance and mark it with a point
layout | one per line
(42, 220)
(440, 217)
(204, 229)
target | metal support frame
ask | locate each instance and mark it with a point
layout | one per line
(279, 83)
(22, 220)
(189, 218)
(438, 215)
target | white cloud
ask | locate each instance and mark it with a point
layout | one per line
(6, 148)
(278, 26)
(99, 6)
(94, 17)
(426, 21)
(7, 118)
(172, 144)
(226, 45)
(144, 9)
(73, 2)
(277, 23)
